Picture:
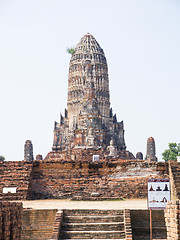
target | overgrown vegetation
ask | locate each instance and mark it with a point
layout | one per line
(70, 50)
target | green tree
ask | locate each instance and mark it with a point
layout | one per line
(172, 152)
(70, 50)
(2, 158)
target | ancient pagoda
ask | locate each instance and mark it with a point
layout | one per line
(151, 150)
(88, 121)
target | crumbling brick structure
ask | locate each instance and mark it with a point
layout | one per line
(15, 177)
(87, 180)
(10, 220)
(74, 175)
(172, 218)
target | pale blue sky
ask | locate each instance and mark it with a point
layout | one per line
(141, 41)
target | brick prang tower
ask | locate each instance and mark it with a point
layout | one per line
(88, 121)
(28, 151)
(151, 150)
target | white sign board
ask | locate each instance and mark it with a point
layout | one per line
(95, 158)
(9, 190)
(158, 193)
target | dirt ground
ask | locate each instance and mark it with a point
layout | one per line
(68, 204)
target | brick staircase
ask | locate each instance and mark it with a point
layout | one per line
(92, 224)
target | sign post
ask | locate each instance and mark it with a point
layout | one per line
(151, 224)
(158, 196)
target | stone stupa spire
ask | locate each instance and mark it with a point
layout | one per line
(88, 102)
(28, 151)
(151, 150)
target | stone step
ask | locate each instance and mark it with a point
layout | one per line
(92, 226)
(90, 212)
(93, 219)
(92, 234)
(157, 233)
(176, 179)
(148, 238)
(176, 175)
(101, 239)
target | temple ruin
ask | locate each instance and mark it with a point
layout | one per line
(88, 161)
(89, 121)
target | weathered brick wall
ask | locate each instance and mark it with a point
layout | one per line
(15, 174)
(10, 220)
(174, 170)
(172, 218)
(77, 179)
(37, 224)
(87, 180)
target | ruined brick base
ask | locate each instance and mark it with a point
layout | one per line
(15, 174)
(85, 180)
(10, 220)
(172, 218)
